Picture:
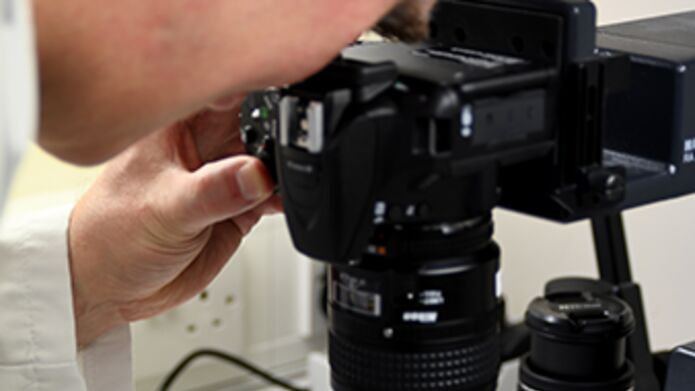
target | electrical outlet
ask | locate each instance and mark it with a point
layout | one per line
(263, 306)
(213, 319)
(281, 291)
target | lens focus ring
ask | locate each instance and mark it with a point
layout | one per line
(469, 367)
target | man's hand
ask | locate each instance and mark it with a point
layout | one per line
(111, 71)
(162, 221)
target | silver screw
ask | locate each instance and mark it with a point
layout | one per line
(388, 333)
(672, 169)
(682, 69)
(466, 132)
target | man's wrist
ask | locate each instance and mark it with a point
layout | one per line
(94, 316)
(91, 322)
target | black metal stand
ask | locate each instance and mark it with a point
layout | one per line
(614, 267)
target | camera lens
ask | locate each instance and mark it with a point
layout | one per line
(421, 312)
(578, 342)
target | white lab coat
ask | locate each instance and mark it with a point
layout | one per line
(37, 331)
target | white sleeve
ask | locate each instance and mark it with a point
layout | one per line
(18, 87)
(106, 364)
(37, 327)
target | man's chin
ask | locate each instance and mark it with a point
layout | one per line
(80, 153)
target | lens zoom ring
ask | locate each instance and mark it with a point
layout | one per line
(470, 367)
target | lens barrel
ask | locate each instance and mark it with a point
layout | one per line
(578, 343)
(423, 317)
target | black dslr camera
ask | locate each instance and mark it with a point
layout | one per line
(391, 160)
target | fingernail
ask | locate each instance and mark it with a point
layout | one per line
(253, 185)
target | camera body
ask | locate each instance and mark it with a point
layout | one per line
(390, 134)
(511, 103)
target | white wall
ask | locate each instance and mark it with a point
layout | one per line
(612, 11)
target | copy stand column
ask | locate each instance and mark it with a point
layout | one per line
(614, 267)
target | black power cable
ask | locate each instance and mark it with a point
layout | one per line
(265, 375)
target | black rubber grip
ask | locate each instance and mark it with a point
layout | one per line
(470, 367)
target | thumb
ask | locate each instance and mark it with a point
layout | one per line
(220, 191)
